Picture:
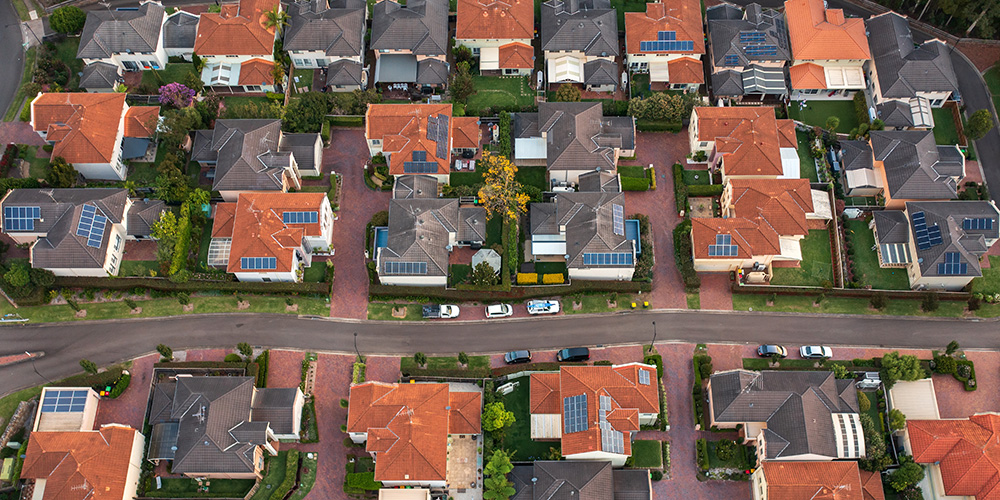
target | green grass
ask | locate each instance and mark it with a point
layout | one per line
(275, 475)
(866, 261)
(172, 72)
(19, 97)
(315, 273)
(647, 454)
(693, 300)
(853, 305)
(637, 171)
(66, 52)
(183, 487)
(807, 164)
(640, 85)
(623, 6)
(599, 303)
(240, 100)
(550, 268)
(8, 404)
(459, 273)
(22, 10)
(817, 264)
(532, 176)
(206, 241)
(407, 364)
(990, 282)
(944, 126)
(465, 178)
(703, 177)
(144, 174)
(992, 78)
(816, 113)
(138, 267)
(738, 460)
(307, 476)
(495, 91)
(305, 77)
(518, 436)
(38, 168)
(383, 311)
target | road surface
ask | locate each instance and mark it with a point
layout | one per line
(10, 46)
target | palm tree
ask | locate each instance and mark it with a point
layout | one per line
(276, 18)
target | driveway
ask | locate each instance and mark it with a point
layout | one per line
(130, 407)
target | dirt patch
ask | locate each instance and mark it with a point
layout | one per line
(188, 308)
(82, 313)
(701, 207)
(137, 310)
(399, 312)
(292, 308)
(243, 304)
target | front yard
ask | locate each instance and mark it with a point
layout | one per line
(499, 92)
(817, 263)
(647, 454)
(517, 437)
(867, 270)
(990, 282)
(816, 112)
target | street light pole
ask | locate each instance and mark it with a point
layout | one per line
(356, 345)
(32, 359)
(654, 337)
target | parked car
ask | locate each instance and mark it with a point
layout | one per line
(768, 350)
(499, 311)
(815, 351)
(440, 311)
(543, 306)
(514, 357)
(573, 354)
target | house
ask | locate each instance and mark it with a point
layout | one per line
(499, 32)
(745, 142)
(858, 165)
(180, 31)
(411, 42)
(957, 455)
(906, 80)
(938, 242)
(584, 479)
(762, 224)
(219, 427)
(408, 429)
(466, 136)
(829, 51)
(255, 156)
(101, 77)
(789, 415)
(423, 229)
(571, 138)
(418, 138)
(748, 51)
(593, 410)
(783, 480)
(237, 48)
(667, 42)
(102, 464)
(580, 44)
(76, 232)
(271, 236)
(329, 35)
(66, 409)
(92, 131)
(912, 167)
(131, 39)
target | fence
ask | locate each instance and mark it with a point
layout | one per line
(135, 99)
(845, 292)
(165, 285)
(515, 293)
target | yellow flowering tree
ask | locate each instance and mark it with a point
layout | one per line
(501, 194)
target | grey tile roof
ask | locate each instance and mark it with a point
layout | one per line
(949, 217)
(99, 75)
(600, 72)
(109, 32)
(891, 226)
(566, 480)
(343, 72)
(201, 146)
(589, 222)
(274, 407)
(414, 186)
(599, 182)
(335, 31)
(632, 484)
(432, 72)
(302, 147)
(579, 136)
(857, 155)
(587, 25)
(895, 113)
(727, 83)
(916, 168)
(143, 214)
(796, 406)
(904, 68)
(419, 230)
(724, 30)
(246, 155)
(180, 30)
(421, 26)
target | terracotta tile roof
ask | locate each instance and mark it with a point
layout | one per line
(781, 203)
(753, 237)
(256, 71)
(237, 30)
(495, 19)
(84, 125)
(786, 134)
(968, 451)
(465, 415)
(682, 16)
(686, 70)
(140, 121)
(403, 129)
(807, 76)
(222, 223)
(748, 137)
(871, 485)
(545, 394)
(466, 131)
(91, 465)
(817, 33)
(818, 481)
(517, 56)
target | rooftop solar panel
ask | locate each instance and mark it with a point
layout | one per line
(643, 377)
(64, 401)
(575, 414)
(398, 267)
(607, 259)
(20, 218)
(618, 216)
(300, 217)
(977, 223)
(258, 263)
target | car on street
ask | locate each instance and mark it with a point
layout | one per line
(499, 311)
(515, 357)
(815, 352)
(543, 306)
(768, 350)
(440, 311)
(573, 354)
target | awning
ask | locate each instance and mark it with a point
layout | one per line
(546, 426)
(565, 69)
(760, 80)
(844, 77)
(529, 148)
(894, 253)
(659, 71)
(163, 441)
(861, 177)
(134, 147)
(548, 248)
(920, 109)
(489, 58)
(396, 68)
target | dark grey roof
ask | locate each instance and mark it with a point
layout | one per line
(432, 72)
(916, 168)
(599, 182)
(579, 136)
(724, 30)
(796, 406)
(180, 30)
(343, 72)
(163, 441)
(60, 247)
(949, 217)
(274, 407)
(524, 125)
(632, 484)
(564, 480)
(421, 26)
(246, 155)
(414, 186)
(142, 215)
(419, 230)
(891, 227)
(895, 113)
(600, 72)
(99, 75)
(109, 32)
(589, 222)
(903, 68)
(727, 83)
(723, 11)
(857, 155)
(587, 25)
(302, 147)
(335, 31)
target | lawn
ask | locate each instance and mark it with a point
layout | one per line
(408, 365)
(702, 177)
(144, 174)
(383, 311)
(532, 176)
(38, 167)
(315, 273)
(275, 475)
(944, 126)
(853, 305)
(26, 74)
(647, 454)
(817, 263)
(550, 268)
(640, 85)
(182, 487)
(466, 178)
(305, 78)
(816, 113)
(239, 100)
(307, 476)
(496, 91)
(693, 300)
(66, 52)
(8, 404)
(138, 267)
(637, 171)
(518, 436)
(458, 273)
(737, 461)
(494, 232)
(172, 72)
(990, 282)
(866, 261)
(807, 164)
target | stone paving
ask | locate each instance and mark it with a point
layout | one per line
(382, 368)
(284, 368)
(715, 291)
(130, 407)
(19, 132)
(207, 354)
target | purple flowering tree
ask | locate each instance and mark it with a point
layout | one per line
(177, 95)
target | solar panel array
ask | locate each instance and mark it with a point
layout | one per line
(64, 401)
(723, 247)
(666, 35)
(978, 223)
(752, 37)
(731, 60)
(258, 263)
(400, 267)
(575, 414)
(761, 50)
(420, 167)
(20, 218)
(300, 217)
(607, 259)
(612, 441)
(420, 156)
(618, 219)
(643, 377)
(91, 226)
(666, 45)
(952, 265)
(926, 236)
(605, 403)
(437, 131)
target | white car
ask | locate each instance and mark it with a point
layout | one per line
(543, 306)
(499, 311)
(815, 352)
(449, 311)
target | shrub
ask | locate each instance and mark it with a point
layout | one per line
(974, 303)
(946, 365)
(463, 358)
(165, 351)
(930, 302)
(683, 256)
(358, 373)
(343, 403)
(131, 303)
(879, 301)
(527, 278)
(232, 358)
(67, 19)
(656, 475)
(725, 449)
(702, 448)
(291, 473)
(680, 189)
(261, 361)
(864, 404)
(420, 358)
(897, 421)
(552, 279)
(906, 476)
(88, 366)
(120, 385)
(705, 190)
(652, 177)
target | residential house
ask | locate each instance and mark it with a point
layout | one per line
(143, 213)
(745, 142)
(255, 156)
(857, 162)
(423, 229)
(237, 47)
(667, 42)
(466, 136)
(912, 167)
(219, 427)
(906, 80)
(784, 480)
(102, 464)
(748, 51)
(131, 39)
(66, 409)
(584, 479)
(957, 454)
(76, 232)
(418, 138)
(331, 36)
(938, 242)
(762, 224)
(101, 77)
(789, 415)
(580, 44)
(829, 51)
(411, 42)
(593, 410)
(180, 30)
(408, 429)
(94, 131)
(571, 139)
(499, 32)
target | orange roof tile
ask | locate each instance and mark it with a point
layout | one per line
(517, 56)
(817, 33)
(236, 30)
(748, 138)
(781, 203)
(968, 451)
(807, 76)
(816, 481)
(544, 397)
(256, 71)
(403, 130)
(495, 19)
(871, 485)
(686, 70)
(141, 121)
(786, 134)
(83, 125)
(465, 415)
(467, 132)
(753, 237)
(261, 231)
(222, 223)
(90, 465)
(682, 16)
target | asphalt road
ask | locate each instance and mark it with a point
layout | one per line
(106, 342)
(976, 96)
(10, 45)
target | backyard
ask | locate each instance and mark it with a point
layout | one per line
(647, 454)
(866, 265)
(816, 113)
(944, 126)
(66, 52)
(807, 164)
(499, 92)
(275, 474)
(38, 168)
(172, 72)
(182, 487)
(518, 436)
(817, 263)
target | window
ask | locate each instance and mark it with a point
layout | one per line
(937, 102)
(253, 88)
(678, 86)
(508, 71)
(377, 142)
(130, 66)
(475, 51)
(114, 260)
(810, 91)
(703, 144)
(298, 62)
(265, 279)
(643, 66)
(118, 241)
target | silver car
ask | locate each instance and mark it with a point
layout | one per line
(815, 352)
(499, 311)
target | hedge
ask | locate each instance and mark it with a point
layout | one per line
(358, 373)
(634, 183)
(291, 474)
(705, 190)
(657, 361)
(359, 482)
(165, 285)
(702, 446)
(657, 126)
(120, 385)
(179, 259)
(683, 256)
(261, 361)
(347, 121)
(553, 279)
(527, 278)
(680, 189)
(377, 291)
(652, 177)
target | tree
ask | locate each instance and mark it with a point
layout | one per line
(165, 351)
(952, 347)
(568, 92)
(879, 300)
(172, 183)
(17, 276)
(501, 193)
(276, 19)
(42, 277)
(177, 123)
(495, 485)
(420, 358)
(864, 404)
(907, 475)
(896, 367)
(496, 417)
(876, 458)
(484, 275)
(946, 365)
(461, 86)
(839, 372)
(61, 173)
(177, 95)
(165, 232)
(832, 123)
(305, 113)
(979, 124)
(463, 359)
(930, 302)
(67, 19)
(245, 350)
(462, 54)
(897, 421)
(88, 366)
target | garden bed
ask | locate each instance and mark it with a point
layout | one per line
(447, 366)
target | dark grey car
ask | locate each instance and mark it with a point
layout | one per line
(514, 357)
(573, 354)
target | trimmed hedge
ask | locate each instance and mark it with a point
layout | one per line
(658, 126)
(702, 446)
(360, 482)
(165, 285)
(705, 190)
(634, 183)
(347, 121)
(358, 373)
(291, 474)
(261, 361)
(680, 189)
(683, 256)
(378, 291)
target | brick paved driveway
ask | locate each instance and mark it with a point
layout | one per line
(19, 132)
(130, 407)
(284, 368)
(715, 292)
